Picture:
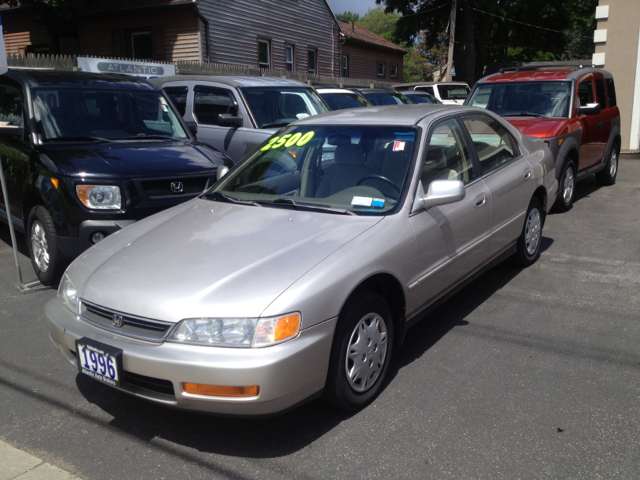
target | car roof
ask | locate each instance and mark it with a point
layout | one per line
(375, 90)
(542, 74)
(334, 90)
(401, 115)
(415, 92)
(232, 81)
(409, 86)
(58, 78)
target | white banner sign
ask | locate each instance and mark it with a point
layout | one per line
(127, 67)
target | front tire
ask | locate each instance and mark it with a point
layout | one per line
(607, 176)
(528, 245)
(361, 352)
(44, 249)
(567, 188)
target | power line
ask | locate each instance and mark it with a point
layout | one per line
(426, 11)
(522, 23)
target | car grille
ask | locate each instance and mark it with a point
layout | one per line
(157, 385)
(169, 187)
(129, 325)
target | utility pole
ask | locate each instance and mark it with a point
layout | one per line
(452, 39)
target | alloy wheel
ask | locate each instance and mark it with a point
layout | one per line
(367, 352)
(568, 185)
(613, 164)
(39, 246)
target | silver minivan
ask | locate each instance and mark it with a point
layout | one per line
(235, 114)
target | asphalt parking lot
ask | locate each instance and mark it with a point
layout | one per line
(524, 374)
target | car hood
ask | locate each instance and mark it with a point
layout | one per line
(535, 127)
(131, 160)
(205, 258)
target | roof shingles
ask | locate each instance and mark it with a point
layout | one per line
(365, 35)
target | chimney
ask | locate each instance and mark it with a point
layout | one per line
(353, 26)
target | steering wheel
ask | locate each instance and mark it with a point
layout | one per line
(391, 183)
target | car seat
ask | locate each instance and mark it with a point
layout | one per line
(347, 171)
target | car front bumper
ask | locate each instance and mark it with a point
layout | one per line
(287, 373)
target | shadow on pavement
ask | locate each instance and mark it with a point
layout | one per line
(5, 236)
(292, 431)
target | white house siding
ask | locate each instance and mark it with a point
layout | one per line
(236, 25)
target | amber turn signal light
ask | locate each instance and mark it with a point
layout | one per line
(286, 327)
(219, 391)
(55, 182)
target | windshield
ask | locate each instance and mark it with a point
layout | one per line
(107, 114)
(453, 92)
(338, 169)
(384, 98)
(548, 99)
(277, 107)
(421, 98)
(340, 101)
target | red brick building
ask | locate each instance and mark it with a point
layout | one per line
(367, 55)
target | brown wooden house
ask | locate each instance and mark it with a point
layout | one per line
(367, 55)
(294, 35)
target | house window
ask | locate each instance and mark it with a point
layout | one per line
(394, 70)
(380, 69)
(264, 53)
(345, 65)
(312, 61)
(142, 46)
(288, 54)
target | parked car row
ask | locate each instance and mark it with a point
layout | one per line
(311, 240)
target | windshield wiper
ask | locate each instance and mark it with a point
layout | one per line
(311, 206)
(78, 139)
(217, 195)
(148, 137)
(526, 114)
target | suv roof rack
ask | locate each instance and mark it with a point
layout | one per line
(542, 67)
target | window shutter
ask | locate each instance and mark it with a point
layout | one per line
(118, 40)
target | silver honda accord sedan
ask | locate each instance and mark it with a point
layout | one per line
(301, 270)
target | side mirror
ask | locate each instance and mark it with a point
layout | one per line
(442, 192)
(228, 120)
(221, 172)
(589, 109)
(193, 128)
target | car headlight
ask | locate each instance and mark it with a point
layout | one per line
(236, 332)
(102, 197)
(68, 294)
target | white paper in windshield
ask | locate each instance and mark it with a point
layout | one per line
(362, 201)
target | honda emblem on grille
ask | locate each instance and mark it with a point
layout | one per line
(117, 320)
(177, 187)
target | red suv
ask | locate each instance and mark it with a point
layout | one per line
(572, 109)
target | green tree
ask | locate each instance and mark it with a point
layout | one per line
(499, 31)
(380, 22)
(348, 16)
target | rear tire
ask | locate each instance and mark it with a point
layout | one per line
(607, 176)
(528, 245)
(44, 249)
(567, 188)
(360, 354)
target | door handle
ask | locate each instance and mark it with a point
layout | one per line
(600, 124)
(527, 174)
(480, 200)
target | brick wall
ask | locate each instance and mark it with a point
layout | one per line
(363, 60)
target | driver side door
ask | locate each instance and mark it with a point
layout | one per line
(451, 240)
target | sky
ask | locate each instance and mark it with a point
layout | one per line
(358, 6)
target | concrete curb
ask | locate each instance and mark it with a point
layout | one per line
(18, 465)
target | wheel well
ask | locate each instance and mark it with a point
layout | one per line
(31, 199)
(541, 195)
(388, 287)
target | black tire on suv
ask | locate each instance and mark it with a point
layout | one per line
(44, 249)
(566, 188)
(607, 176)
